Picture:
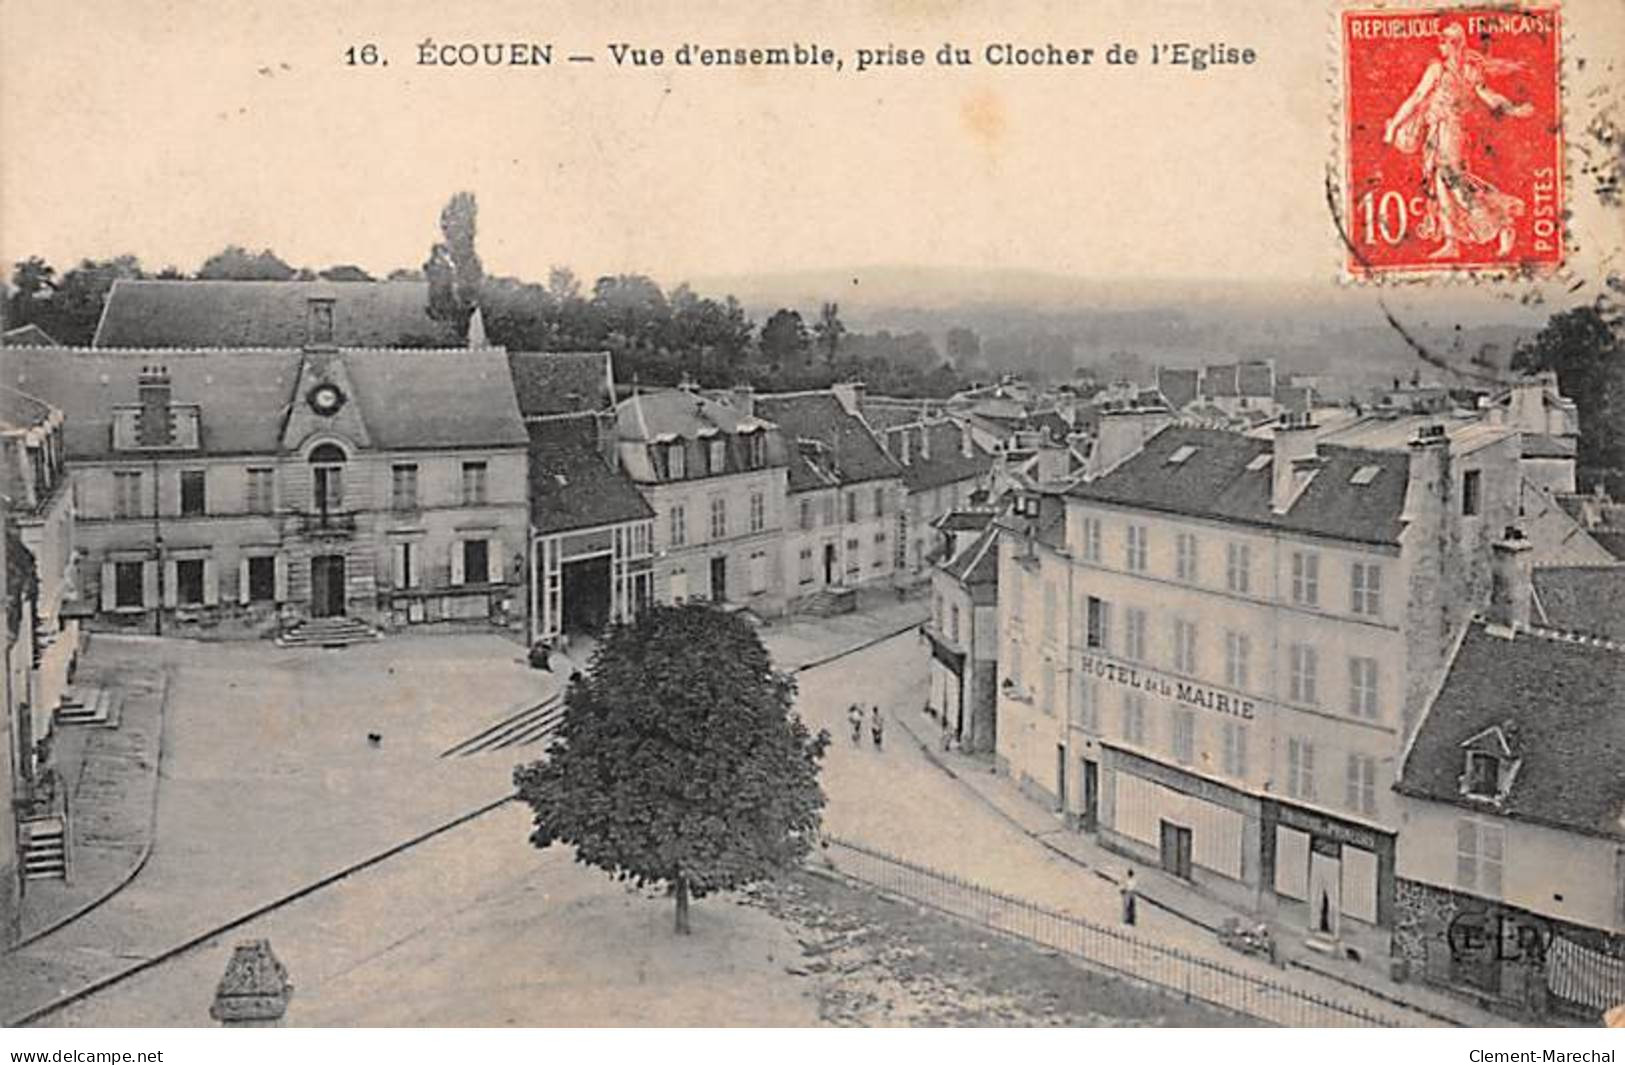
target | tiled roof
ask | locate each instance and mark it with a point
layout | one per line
(674, 411)
(407, 399)
(1585, 599)
(856, 454)
(571, 485)
(1541, 446)
(947, 464)
(1215, 481)
(1562, 700)
(268, 314)
(964, 520)
(548, 383)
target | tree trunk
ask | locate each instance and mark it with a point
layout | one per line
(682, 906)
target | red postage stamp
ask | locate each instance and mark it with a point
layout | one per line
(1453, 140)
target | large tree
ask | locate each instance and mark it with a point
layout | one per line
(829, 330)
(680, 760)
(453, 269)
(784, 338)
(236, 263)
(1586, 349)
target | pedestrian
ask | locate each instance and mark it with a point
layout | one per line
(854, 717)
(876, 726)
(1129, 897)
(947, 734)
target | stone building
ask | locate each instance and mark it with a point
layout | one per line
(1511, 859)
(962, 632)
(261, 489)
(715, 477)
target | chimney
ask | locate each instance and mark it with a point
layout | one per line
(925, 443)
(967, 442)
(743, 400)
(850, 394)
(1123, 432)
(898, 439)
(604, 424)
(1294, 453)
(156, 421)
(1510, 581)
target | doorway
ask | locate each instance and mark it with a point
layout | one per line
(1325, 888)
(719, 579)
(586, 594)
(1060, 777)
(327, 586)
(1091, 794)
(1176, 850)
(829, 563)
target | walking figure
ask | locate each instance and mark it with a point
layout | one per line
(854, 716)
(876, 727)
(1129, 897)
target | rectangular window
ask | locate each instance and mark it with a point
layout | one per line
(1361, 793)
(1363, 688)
(1471, 492)
(1185, 647)
(193, 500)
(1237, 651)
(1238, 566)
(327, 488)
(718, 456)
(851, 506)
(404, 487)
(261, 491)
(719, 518)
(1136, 547)
(806, 574)
(1306, 578)
(1235, 748)
(854, 562)
(1185, 556)
(261, 579)
(880, 502)
(1480, 854)
(1365, 589)
(1300, 768)
(758, 512)
(806, 515)
(474, 484)
(755, 449)
(189, 581)
(679, 525)
(676, 461)
(1304, 664)
(1134, 717)
(406, 564)
(476, 562)
(829, 509)
(127, 494)
(1184, 729)
(128, 592)
(1134, 634)
(880, 551)
(758, 572)
(1097, 624)
(1091, 539)
(1088, 705)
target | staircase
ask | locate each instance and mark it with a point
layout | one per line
(328, 632)
(88, 706)
(45, 849)
(829, 602)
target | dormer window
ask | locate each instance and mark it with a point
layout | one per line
(321, 321)
(755, 449)
(1483, 779)
(717, 450)
(1490, 764)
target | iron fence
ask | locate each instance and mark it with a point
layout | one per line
(1101, 947)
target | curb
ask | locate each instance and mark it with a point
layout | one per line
(864, 646)
(134, 871)
(169, 954)
(1291, 963)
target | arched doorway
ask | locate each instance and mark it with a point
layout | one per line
(327, 478)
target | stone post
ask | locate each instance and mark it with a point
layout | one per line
(254, 991)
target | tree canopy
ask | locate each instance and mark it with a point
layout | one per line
(236, 263)
(1586, 350)
(680, 760)
(453, 269)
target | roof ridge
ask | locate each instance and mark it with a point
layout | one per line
(1568, 636)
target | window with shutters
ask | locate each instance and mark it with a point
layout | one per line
(476, 562)
(127, 494)
(719, 518)
(1365, 589)
(194, 501)
(679, 525)
(1300, 768)
(758, 512)
(1303, 666)
(1360, 795)
(1185, 647)
(1091, 539)
(1237, 651)
(1134, 717)
(1306, 578)
(1238, 567)
(718, 450)
(404, 487)
(474, 484)
(1134, 634)
(262, 579)
(1184, 734)
(1135, 553)
(1097, 623)
(676, 461)
(1480, 854)
(189, 581)
(1363, 688)
(407, 564)
(806, 515)
(1185, 557)
(1235, 748)
(128, 593)
(755, 449)
(261, 491)
(1089, 704)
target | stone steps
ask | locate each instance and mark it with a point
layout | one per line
(45, 850)
(328, 632)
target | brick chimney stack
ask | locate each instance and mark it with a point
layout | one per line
(156, 421)
(1511, 581)
(1294, 447)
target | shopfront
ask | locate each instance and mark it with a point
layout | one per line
(1326, 869)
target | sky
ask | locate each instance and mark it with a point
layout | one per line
(170, 129)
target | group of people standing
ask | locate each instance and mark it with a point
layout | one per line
(877, 725)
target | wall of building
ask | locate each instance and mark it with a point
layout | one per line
(741, 547)
(865, 549)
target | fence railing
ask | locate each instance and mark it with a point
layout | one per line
(1099, 946)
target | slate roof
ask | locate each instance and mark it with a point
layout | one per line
(1215, 482)
(565, 382)
(948, 463)
(407, 399)
(21, 411)
(648, 415)
(856, 452)
(571, 484)
(964, 520)
(1219, 380)
(267, 314)
(978, 563)
(1584, 599)
(1564, 702)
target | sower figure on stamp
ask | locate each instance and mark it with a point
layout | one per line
(1461, 206)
